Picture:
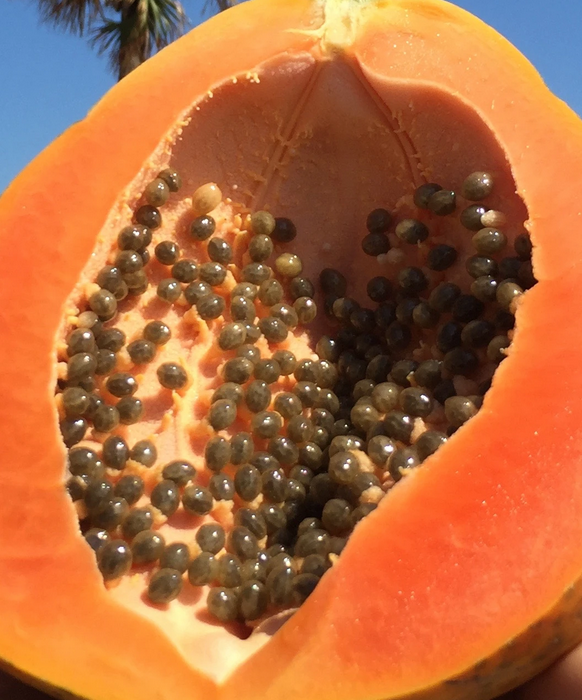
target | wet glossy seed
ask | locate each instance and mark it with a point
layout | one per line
(213, 273)
(115, 452)
(477, 186)
(284, 231)
(164, 586)
(488, 241)
(135, 521)
(275, 519)
(398, 426)
(443, 296)
(288, 265)
(443, 390)
(336, 516)
(364, 416)
(157, 192)
(257, 396)
(96, 538)
(175, 556)
(300, 429)
(403, 459)
(343, 467)
(185, 271)
(260, 248)
(171, 375)
(279, 584)
(274, 485)
(228, 571)
(333, 282)
(121, 384)
(217, 453)
(222, 413)
(507, 292)
(156, 332)
(211, 538)
(167, 252)
(149, 216)
(284, 450)
(243, 543)
(288, 405)
(81, 340)
(197, 500)
(379, 289)
(252, 520)
(380, 450)
(423, 193)
(105, 418)
(110, 514)
(141, 351)
(301, 287)
(402, 370)
(221, 486)
(449, 336)
(315, 564)
(416, 402)
(263, 461)
(428, 373)
(127, 262)
(412, 231)
(111, 339)
(458, 410)
(378, 220)
(134, 237)
(166, 497)
(202, 569)
(256, 272)
(247, 482)
(363, 388)
(253, 600)
(75, 401)
(287, 313)
(114, 559)
(378, 368)
(307, 393)
(345, 443)
(97, 494)
(405, 309)
(172, 178)
(144, 452)
(470, 217)
(179, 471)
(412, 280)
(305, 309)
(424, 316)
(219, 251)
(496, 348)
(442, 203)
(484, 288)
(223, 604)
(202, 227)
(441, 257)
(80, 366)
(169, 290)
(267, 370)
(274, 330)
(130, 487)
(147, 547)
(428, 443)
(312, 541)
(241, 448)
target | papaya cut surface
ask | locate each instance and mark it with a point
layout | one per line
(465, 578)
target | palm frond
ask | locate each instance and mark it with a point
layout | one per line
(75, 16)
(220, 5)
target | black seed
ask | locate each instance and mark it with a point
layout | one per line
(147, 547)
(398, 336)
(461, 361)
(112, 339)
(467, 308)
(247, 482)
(380, 450)
(441, 257)
(442, 203)
(379, 289)
(97, 494)
(141, 351)
(274, 330)
(229, 390)
(134, 237)
(449, 336)
(211, 538)
(379, 221)
(253, 600)
(137, 282)
(416, 402)
(402, 370)
(385, 396)
(424, 316)
(197, 290)
(312, 541)
(144, 452)
(172, 376)
(270, 292)
(149, 216)
(104, 304)
(477, 334)
(202, 569)
(378, 368)
(210, 306)
(343, 307)
(128, 261)
(80, 366)
(301, 287)
(175, 556)
(284, 450)
(121, 384)
(75, 401)
(223, 604)
(185, 271)
(197, 500)
(309, 524)
(423, 193)
(157, 192)
(343, 443)
(412, 280)
(257, 396)
(289, 315)
(470, 217)
(169, 290)
(280, 586)
(363, 415)
(222, 413)
(284, 231)
(375, 244)
(114, 559)
(509, 267)
(73, 430)
(202, 227)
(241, 448)
(164, 586)
(237, 370)
(496, 347)
(525, 276)
(81, 340)
(105, 362)
(503, 320)
(477, 186)
(252, 520)
(336, 516)
(363, 388)
(221, 487)
(110, 514)
(171, 178)
(217, 453)
(179, 471)
(412, 231)
(443, 390)
(307, 393)
(274, 485)
(135, 521)
(443, 296)
(105, 418)
(96, 538)
(315, 564)
(405, 309)
(243, 543)
(300, 429)
(522, 246)
(219, 251)
(115, 452)
(260, 248)
(363, 320)
(333, 282)
(213, 273)
(428, 373)
(428, 443)
(166, 497)
(130, 487)
(403, 459)
(398, 426)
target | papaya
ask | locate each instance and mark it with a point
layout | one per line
(278, 419)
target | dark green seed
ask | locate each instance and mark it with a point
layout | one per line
(398, 337)
(307, 393)
(97, 494)
(156, 332)
(467, 308)
(242, 309)
(300, 429)
(210, 306)
(232, 335)
(73, 430)
(336, 516)
(507, 292)
(202, 227)
(229, 390)
(262, 223)
(315, 564)
(197, 500)
(380, 450)
(286, 361)
(112, 339)
(114, 559)
(495, 349)
(270, 292)
(217, 453)
(260, 247)
(222, 413)
(256, 272)
(301, 287)
(477, 334)
(115, 452)
(488, 241)
(211, 538)
(81, 340)
(363, 415)
(333, 282)
(441, 257)
(470, 217)
(288, 265)
(185, 271)
(137, 282)
(484, 288)
(461, 361)
(134, 237)
(104, 304)
(130, 487)
(179, 471)
(287, 313)
(274, 517)
(105, 362)
(253, 600)
(412, 231)
(228, 572)
(263, 461)
(221, 487)
(268, 371)
(280, 586)
(135, 521)
(147, 547)
(378, 368)
(252, 520)
(247, 482)
(243, 543)
(128, 261)
(110, 514)
(274, 485)
(379, 289)
(305, 309)
(149, 216)
(121, 384)
(196, 291)
(428, 443)
(157, 192)
(144, 452)
(424, 316)
(96, 538)
(458, 410)
(423, 193)
(343, 467)
(202, 570)
(398, 426)
(175, 556)
(284, 231)
(172, 376)
(284, 450)
(443, 296)
(442, 203)
(167, 252)
(166, 497)
(412, 280)
(477, 186)
(257, 396)
(169, 290)
(141, 351)
(274, 330)
(105, 418)
(164, 586)
(213, 273)
(80, 366)
(416, 402)
(250, 352)
(237, 370)
(75, 401)
(223, 604)
(171, 178)
(246, 290)
(241, 448)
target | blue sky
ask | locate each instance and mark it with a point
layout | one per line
(50, 79)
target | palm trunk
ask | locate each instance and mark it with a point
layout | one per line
(134, 47)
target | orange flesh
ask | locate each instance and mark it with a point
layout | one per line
(321, 139)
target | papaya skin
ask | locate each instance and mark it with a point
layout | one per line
(502, 561)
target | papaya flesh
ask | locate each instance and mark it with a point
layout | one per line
(466, 578)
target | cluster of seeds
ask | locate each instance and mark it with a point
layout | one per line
(300, 448)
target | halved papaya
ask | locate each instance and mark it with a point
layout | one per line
(390, 163)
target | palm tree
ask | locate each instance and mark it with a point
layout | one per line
(128, 31)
